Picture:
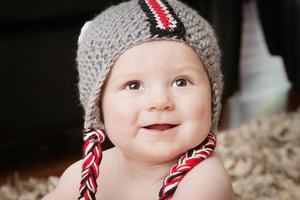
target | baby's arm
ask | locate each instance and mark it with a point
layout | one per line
(69, 183)
(208, 181)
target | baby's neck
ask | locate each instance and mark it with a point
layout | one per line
(136, 178)
(141, 171)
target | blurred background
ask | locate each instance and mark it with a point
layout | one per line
(41, 117)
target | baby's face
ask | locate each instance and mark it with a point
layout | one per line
(156, 102)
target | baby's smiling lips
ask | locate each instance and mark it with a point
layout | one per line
(160, 127)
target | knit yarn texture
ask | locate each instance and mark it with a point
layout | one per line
(109, 34)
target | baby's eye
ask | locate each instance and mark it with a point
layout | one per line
(133, 85)
(180, 83)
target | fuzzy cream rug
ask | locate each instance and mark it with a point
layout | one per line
(262, 158)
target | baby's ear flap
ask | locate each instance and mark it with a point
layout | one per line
(83, 31)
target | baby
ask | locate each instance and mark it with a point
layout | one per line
(150, 81)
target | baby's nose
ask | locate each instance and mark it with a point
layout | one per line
(160, 101)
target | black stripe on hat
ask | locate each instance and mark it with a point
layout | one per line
(163, 20)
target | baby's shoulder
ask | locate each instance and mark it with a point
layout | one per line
(208, 180)
(69, 183)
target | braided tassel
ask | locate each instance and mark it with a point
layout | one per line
(90, 168)
(185, 164)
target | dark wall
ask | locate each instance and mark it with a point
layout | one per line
(40, 111)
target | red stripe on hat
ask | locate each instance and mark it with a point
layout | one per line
(159, 10)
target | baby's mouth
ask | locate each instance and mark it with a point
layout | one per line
(160, 127)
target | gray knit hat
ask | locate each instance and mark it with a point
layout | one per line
(120, 27)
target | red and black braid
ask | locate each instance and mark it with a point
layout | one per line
(92, 153)
(186, 163)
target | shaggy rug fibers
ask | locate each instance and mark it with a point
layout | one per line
(262, 159)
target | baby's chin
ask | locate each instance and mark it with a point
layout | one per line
(165, 154)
